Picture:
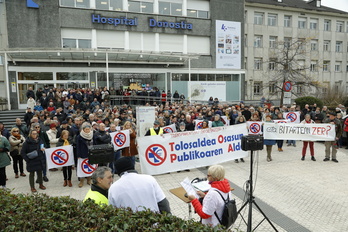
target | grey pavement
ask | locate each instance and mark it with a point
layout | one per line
(296, 195)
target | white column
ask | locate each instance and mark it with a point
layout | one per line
(125, 5)
(107, 69)
(142, 42)
(184, 7)
(94, 39)
(155, 7)
(184, 50)
(7, 85)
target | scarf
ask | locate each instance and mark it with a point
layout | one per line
(88, 136)
(66, 142)
(17, 136)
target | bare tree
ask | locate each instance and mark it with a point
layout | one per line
(287, 62)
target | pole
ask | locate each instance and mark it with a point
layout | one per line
(251, 198)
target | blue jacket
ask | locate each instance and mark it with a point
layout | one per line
(82, 147)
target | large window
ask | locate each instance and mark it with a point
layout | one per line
(138, 6)
(35, 76)
(64, 76)
(313, 24)
(272, 65)
(258, 64)
(76, 43)
(339, 46)
(170, 8)
(272, 41)
(258, 88)
(258, 18)
(314, 45)
(76, 3)
(326, 66)
(272, 20)
(258, 41)
(326, 45)
(314, 66)
(287, 21)
(327, 25)
(197, 13)
(302, 23)
(287, 42)
(338, 66)
(108, 4)
(339, 26)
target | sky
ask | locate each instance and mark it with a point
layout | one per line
(337, 4)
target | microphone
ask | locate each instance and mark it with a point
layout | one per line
(195, 180)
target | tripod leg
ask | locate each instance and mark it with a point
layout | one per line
(269, 221)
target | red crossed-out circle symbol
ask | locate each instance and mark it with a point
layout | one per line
(86, 167)
(59, 157)
(200, 125)
(168, 129)
(282, 122)
(120, 139)
(291, 116)
(254, 128)
(156, 154)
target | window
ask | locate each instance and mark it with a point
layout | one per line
(326, 66)
(302, 23)
(301, 43)
(258, 18)
(327, 25)
(299, 88)
(272, 87)
(258, 88)
(108, 4)
(287, 42)
(272, 41)
(272, 65)
(134, 6)
(258, 64)
(170, 8)
(1, 62)
(77, 3)
(301, 64)
(339, 46)
(65, 76)
(258, 41)
(76, 43)
(314, 65)
(197, 13)
(272, 20)
(287, 21)
(313, 24)
(339, 26)
(326, 45)
(338, 66)
(314, 45)
(143, 7)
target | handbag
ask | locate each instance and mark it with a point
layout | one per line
(33, 154)
(103, 153)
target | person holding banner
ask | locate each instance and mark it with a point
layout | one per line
(328, 144)
(305, 143)
(269, 142)
(212, 201)
(65, 140)
(83, 141)
(36, 164)
(217, 122)
(132, 150)
(156, 130)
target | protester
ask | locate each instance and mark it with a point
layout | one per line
(16, 141)
(333, 144)
(37, 164)
(132, 150)
(305, 143)
(156, 130)
(102, 179)
(137, 191)
(269, 142)
(65, 140)
(212, 201)
(4, 159)
(46, 143)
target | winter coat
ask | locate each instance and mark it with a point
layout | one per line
(38, 163)
(16, 144)
(4, 158)
(102, 137)
(52, 136)
(132, 149)
(82, 145)
(23, 129)
(31, 103)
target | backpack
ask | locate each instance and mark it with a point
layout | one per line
(229, 214)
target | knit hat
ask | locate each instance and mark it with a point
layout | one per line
(156, 122)
(124, 164)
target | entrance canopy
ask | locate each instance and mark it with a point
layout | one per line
(97, 56)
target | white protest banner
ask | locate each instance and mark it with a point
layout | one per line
(292, 131)
(281, 121)
(199, 124)
(227, 121)
(190, 149)
(254, 127)
(169, 129)
(59, 156)
(294, 117)
(84, 168)
(145, 118)
(120, 139)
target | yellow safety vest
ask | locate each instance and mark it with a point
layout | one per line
(98, 198)
(153, 132)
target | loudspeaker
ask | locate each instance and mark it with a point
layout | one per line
(252, 142)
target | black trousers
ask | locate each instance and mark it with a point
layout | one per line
(2, 176)
(17, 162)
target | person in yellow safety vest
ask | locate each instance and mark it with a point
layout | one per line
(156, 130)
(102, 179)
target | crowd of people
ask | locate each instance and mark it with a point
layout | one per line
(84, 117)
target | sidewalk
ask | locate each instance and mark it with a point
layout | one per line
(313, 194)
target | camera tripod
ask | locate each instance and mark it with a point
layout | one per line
(251, 200)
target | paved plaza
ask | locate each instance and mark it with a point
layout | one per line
(296, 195)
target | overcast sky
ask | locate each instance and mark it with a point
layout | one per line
(337, 4)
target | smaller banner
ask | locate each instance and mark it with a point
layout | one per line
(254, 127)
(169, 129)
(281, 121)
(59, 156)
(199, 124)
(306, 132)
(84, 168)
(293, 117)
(227, 121)
(120, 139)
